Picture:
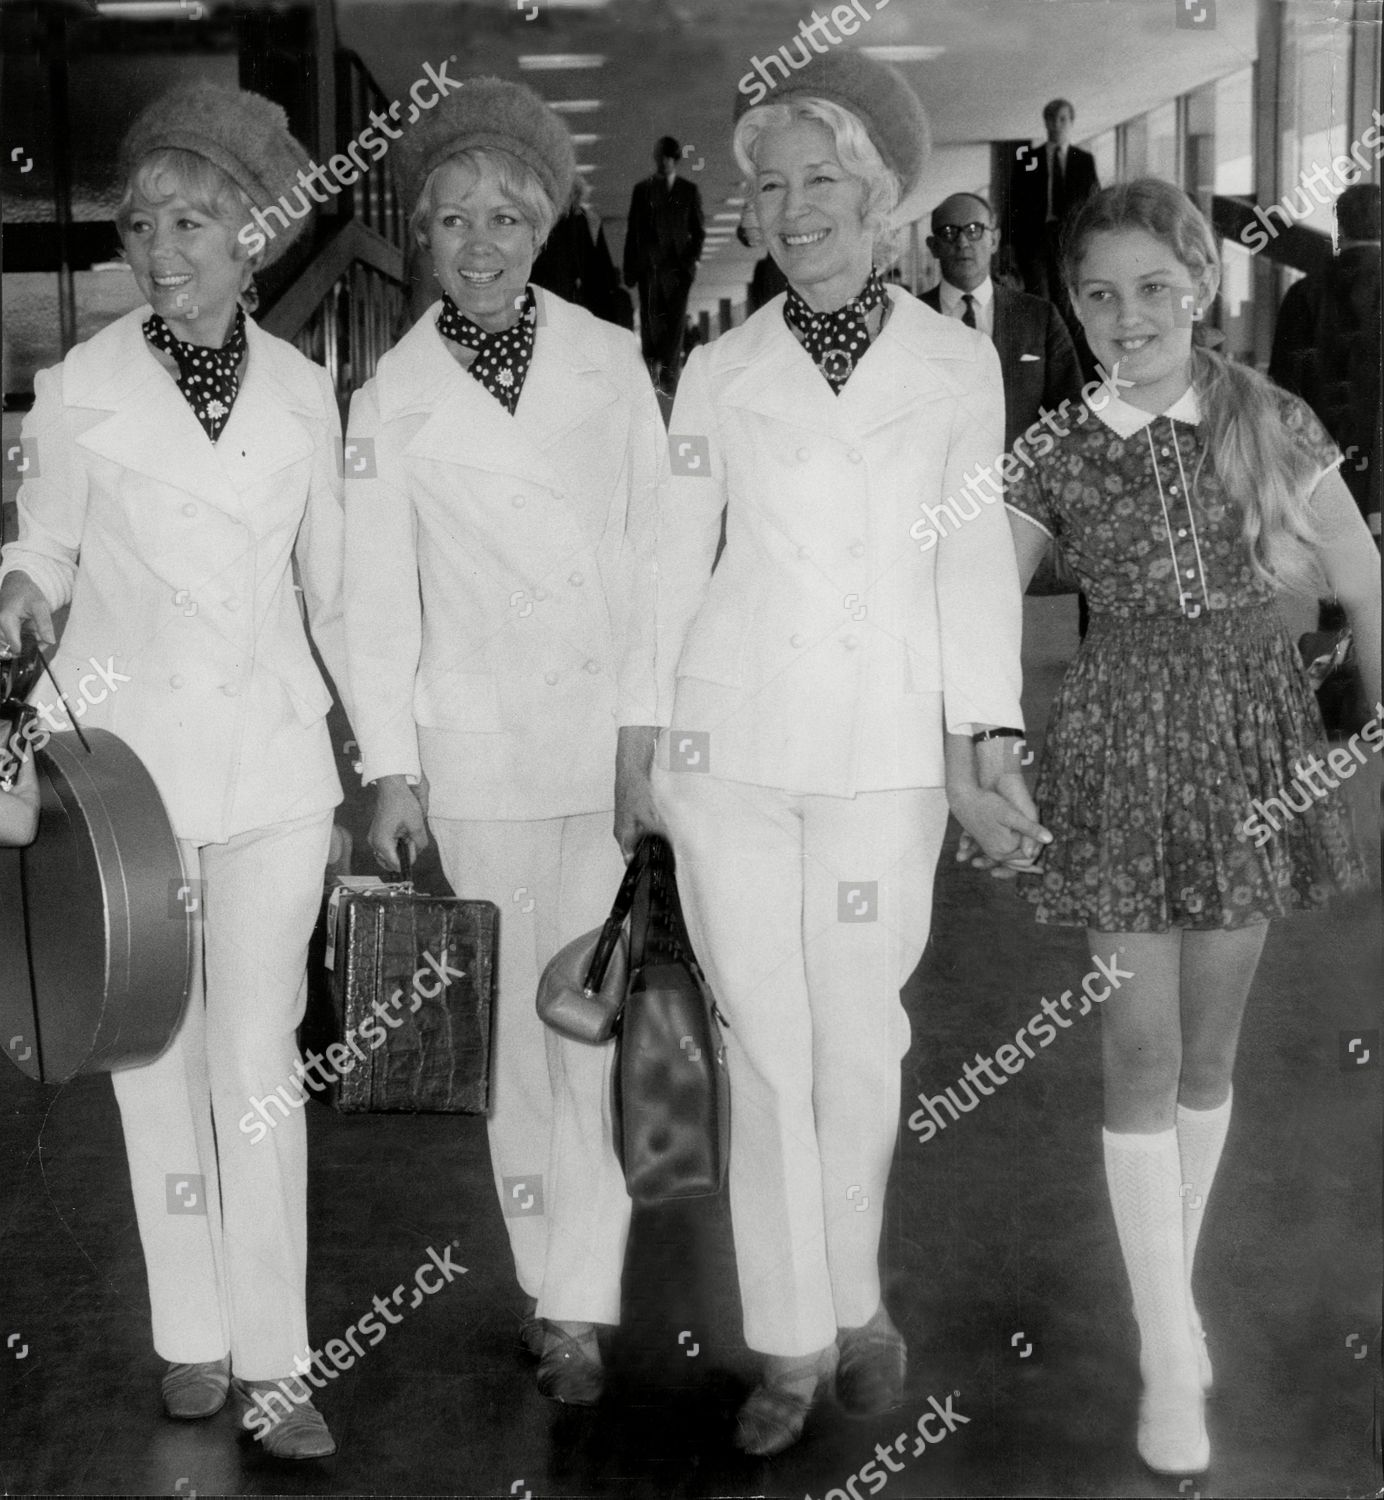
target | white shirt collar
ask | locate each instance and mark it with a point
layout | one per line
(1125, 420)
(951, 295)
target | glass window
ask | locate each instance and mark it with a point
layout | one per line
(1162, 156)
(1314, 82)
(1102, 147)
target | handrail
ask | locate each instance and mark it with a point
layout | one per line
(288, 315)
(1294, 245)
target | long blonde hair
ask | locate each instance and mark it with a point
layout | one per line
(1266, 473)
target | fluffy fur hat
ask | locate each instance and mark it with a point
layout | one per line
(489, 114)
(244, 134)
(876, 94)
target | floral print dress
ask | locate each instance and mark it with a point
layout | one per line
(1186, 707)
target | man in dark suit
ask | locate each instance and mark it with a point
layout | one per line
(1049, 181)
(1037, 359)
(663, 243)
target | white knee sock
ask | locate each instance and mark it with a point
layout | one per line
(1200, 1140)
(1145, 1179)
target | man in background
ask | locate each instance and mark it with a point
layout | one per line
(1037, 358)
(663, 243)
(1326, 344)
(1048, 183)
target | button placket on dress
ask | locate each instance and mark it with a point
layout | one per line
(1179, 524)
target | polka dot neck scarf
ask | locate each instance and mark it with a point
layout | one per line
(836, 340)
(502, 359)
(209, 378)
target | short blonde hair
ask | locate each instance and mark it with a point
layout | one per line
(163, 174)
(854, 149)
(518, 181)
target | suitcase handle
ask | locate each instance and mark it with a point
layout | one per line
(405, 852)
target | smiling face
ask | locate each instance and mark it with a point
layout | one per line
(1136, 301)
(188, 265)
(481, 243)
(811, 213)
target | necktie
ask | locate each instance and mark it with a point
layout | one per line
(969, 316)
(836, 340)
(502, 359)
(209, 378)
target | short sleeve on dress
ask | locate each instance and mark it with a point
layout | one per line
(1309, 435)
(1027, 497)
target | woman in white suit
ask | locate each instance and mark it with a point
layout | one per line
(809, 686)
(509, 448)
(180, 461)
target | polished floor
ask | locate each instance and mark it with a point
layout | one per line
(1002, 1270)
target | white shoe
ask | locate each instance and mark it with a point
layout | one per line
(1172, 1428)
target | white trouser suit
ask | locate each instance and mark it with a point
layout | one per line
(492, 569)
(176, 556)
(806, 683)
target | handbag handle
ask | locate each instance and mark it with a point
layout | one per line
(619, 912)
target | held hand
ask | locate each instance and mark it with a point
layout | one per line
(1001, 830)
(398, 815)
(22, 604)
(635, 813)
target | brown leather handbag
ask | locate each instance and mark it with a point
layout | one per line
(671, 1092)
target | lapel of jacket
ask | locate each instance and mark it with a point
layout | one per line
(915, 359)
(263, 434)
(466, 425)
(150, 428)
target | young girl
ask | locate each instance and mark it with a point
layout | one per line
(1185, 504)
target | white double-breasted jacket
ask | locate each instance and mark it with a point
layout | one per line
(176, 556)
(827, 649)
(496, 610)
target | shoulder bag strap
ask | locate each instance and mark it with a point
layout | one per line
(619, 913)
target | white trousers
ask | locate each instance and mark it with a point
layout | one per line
(560, 1186)
(808, 913)
(223, 1214)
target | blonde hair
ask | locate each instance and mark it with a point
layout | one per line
(854, 149)
(518, 181)
(161, 175)
(1265, 472)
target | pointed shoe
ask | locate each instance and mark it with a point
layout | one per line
(873, 1366)
(772, 1419)
(568, 1371)
(297, 1433)
(1172, 1428)
(194, 1391)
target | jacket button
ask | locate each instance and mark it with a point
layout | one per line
(576, 580)
(795, 641)
(857, 549)
(176, 680)
(1172, 489)
(189, 509)
(539, 595)
(803, 552)
(550, 678)
(854, 455)
(591, 666)
(850, 642)
(232, 605)
(231, 690)
(1182, 531)
(519, 501)
(804, 454)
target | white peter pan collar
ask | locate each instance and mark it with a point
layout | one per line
(1125, 420)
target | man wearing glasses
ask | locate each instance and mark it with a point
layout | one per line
(1037, 359)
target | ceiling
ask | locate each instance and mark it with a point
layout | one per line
(672, 66)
